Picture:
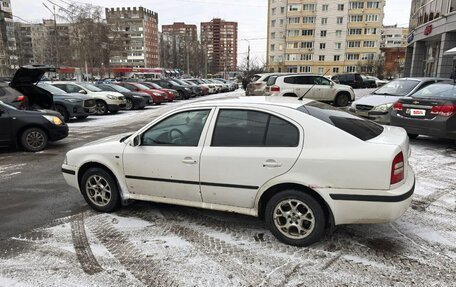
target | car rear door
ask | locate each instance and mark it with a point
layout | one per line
(5, 130)
(246, 148)
(304, 85)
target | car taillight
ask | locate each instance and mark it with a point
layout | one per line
(275, 89)
(445, 110)
(257, 84)
(397, 169)
(20, 98)
(398, 106)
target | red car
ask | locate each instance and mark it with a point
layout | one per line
(172, 94)
(157, 96)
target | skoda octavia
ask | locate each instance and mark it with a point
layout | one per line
(302, 166)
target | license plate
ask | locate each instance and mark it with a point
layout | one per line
(417, 113)
(362, 114)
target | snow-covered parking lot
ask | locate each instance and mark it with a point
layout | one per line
(148, 244)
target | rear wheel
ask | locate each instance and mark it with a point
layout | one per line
(412, 136)
(129, 105)
(100, 190)
(342, 100)
(34, 139)
(295, 218)
(63, 111)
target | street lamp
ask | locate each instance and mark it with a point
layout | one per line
(248, 56)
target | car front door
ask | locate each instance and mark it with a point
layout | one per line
(5, 130)
(324, 91)
(306, 87)
(247, 148)
(167, 161)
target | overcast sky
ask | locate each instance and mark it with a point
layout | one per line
(250, 14)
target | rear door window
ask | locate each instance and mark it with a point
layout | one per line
(358, 127)
(305, 80)
(245, 128)
(290, 80)
(272, 80)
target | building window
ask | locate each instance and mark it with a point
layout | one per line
(273, 35)
(321, 58)
(321, 70)
(368, 56)
(338, 45)
(308, 20)
(372, 18)
(373, 5)
(340, 20)
(369, 44)
(324, 7)
(340, 7)
(355, 31)
(356, 18)
(307, 45)
(294, 7)
(336, 58)
(305, 69)
(272, 47)
(352, 57)
(356, 5)
(294, 20)
(323, 33)
(307, 32)
(273, 22)
(354, 44)
(282, 10)
(293, 33)
(322, 46)
(324, 21)
(338, 33)
(306, 57)
(370, 31)
(309, 7)
(350, 69)
(273, 11)
(335, 70)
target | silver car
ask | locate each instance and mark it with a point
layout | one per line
(378, 105)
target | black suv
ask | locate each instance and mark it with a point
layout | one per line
(30, 129)
(354, 80)
(184, 92)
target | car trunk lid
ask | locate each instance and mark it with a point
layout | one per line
(424, 108)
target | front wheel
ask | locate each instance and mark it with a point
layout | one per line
(342, 100)
(101, 108)
(100, 190)
(34, 139)
(295, 218)
(129, 105)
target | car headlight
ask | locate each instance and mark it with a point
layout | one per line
(383, 108)
(73, 100)
(157, 94)
(53, 119)
(111, 97)
(65, 161)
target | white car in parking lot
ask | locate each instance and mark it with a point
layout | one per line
(303, 166)
(105, 101)
(309, 86)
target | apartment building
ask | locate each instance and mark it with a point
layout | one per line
(219, 40)
(394, 37)
(323, 36)
(8, 57)
(179, 46)
(180, 29)
(432, 33)
(136, 32)
(393, 46)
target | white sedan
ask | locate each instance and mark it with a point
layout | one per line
(303, 166)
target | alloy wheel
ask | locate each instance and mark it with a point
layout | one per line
(35, 139)
(294, 219)
(98, 190)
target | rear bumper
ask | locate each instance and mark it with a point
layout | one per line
(438, 127)
(371, 206)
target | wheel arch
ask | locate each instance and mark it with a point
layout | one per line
(91, 164)
(340, 93)
(271, 191)
(21, 130)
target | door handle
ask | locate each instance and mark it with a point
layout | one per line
(271, 163)
(189, 160)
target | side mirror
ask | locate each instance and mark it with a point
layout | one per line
(82, 92)
(136, 141)
(332, 84)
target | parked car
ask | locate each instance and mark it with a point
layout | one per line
(310, 87)
(170, 94)
(196, 90)
(111, 102)
(368, 83)
(204, 88)
(378, 105)
(32, 130)
(218, 86)
(258, 84)
(232, 85)
(185, 93)
(284, 160)
(353, 80)
(70, 105)
(211, 88)
(135, 100)
(378, 82)
(431, 111)
(225, 87)
(157, 96)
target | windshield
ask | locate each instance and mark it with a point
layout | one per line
(174, 83)
(397, 88)
(446, 91)
(90, 87)
(52, 89)
(119, 89)
(180, 82)
(142, 87)
(358, 127)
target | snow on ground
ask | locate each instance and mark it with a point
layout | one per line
(148, 244)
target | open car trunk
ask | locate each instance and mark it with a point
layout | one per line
(25, 80)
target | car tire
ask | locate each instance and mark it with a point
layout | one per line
(63, 111)
(101, 108)
(34, 139)
(412, 136)
(301, 212)
(342, 100)
(99, 189)
(129, 105)
(82, 117)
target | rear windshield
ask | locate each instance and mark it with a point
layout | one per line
(357, 127)
(256, 78)
(445, 91)
(271, 81)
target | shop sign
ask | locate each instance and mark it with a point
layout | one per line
(428, 30)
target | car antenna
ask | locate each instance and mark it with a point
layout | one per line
(302, 97)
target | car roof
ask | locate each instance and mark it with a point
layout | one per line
(255, 101)
(422, 79)
(298, 74)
